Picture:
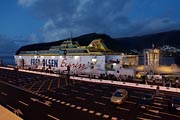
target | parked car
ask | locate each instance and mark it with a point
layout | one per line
(174, 105)
(145, 101)
(119, 96)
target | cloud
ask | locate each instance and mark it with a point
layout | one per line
(151, 26)
(33, 38)
(27, 3)
(161, 24)
(112, 17)
(7, 45)
(79, 16)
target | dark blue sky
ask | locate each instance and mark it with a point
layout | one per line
(32, 21)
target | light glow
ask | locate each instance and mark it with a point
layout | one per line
(114, 64)
(94, 60)
(76, 57)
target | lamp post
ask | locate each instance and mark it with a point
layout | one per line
(173, 66)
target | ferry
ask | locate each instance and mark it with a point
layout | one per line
(95, 59)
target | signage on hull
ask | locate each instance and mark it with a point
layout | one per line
(54, 63)
(45, 62)
(64, 63)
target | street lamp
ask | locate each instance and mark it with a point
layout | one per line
(173, 66)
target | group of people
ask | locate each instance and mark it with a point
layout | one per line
(169, 83)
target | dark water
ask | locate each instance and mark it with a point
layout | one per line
(7, 60)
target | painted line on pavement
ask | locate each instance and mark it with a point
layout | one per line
(130, 102)
(157, 107)
(169, 114)
(153, 111)
(10, 107)
(98, 114)
(67, 104)
(84, 88)
(123, 108)
(106, 97)
(105, 116)
(114, 118)
(89, 94)
(14, 86)
(41, 86)
(75, 90)
(63, 102)
(3, 93)
(50, 98)
(73, 106)
(80, 98)
(64, 94)
(152, 115)
(161, 101)
(161, 98)
(133, 96)
(58, 101)
(78, 107)
(49, 86)
(100, 103)
(84, 109)
(91, 111)
(160, 104)
(97, 90)
(142, 118)
(55, 118)
(23, 103)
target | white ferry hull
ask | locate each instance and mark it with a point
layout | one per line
(78, 64)
(90, 65)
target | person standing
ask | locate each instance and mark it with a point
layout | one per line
(177, 82)
(157, 90)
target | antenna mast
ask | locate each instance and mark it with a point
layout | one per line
(70, 36)
(153, 57)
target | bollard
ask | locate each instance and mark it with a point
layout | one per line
(151, 85)
(137, 84)
(123, 82)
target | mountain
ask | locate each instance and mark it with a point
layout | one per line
(171, 38)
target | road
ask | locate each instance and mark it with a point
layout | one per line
(31, 98)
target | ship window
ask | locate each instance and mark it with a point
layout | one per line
(72, 46)
(76, 51)
(85, 51)
(66, 42)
